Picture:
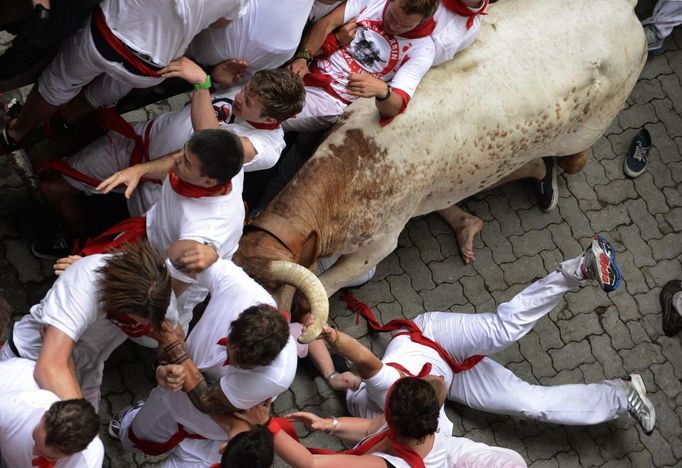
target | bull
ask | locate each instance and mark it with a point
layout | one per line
(543, 78)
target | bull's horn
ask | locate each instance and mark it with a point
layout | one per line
(310, 286)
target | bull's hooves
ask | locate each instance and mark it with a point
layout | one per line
(574, 163)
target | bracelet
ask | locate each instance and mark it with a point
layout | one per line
(388, 94)
(333, 375)
(205, 85)
(304, 54)
(335, 425)
(338, 339)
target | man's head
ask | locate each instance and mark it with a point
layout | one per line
(257, 337)
(210, 158)
(402, 16)
(270, 97)
(412, 408)
(135, 283)
(254, 448)
(67, 427)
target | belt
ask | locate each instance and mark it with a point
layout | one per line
(10, 343)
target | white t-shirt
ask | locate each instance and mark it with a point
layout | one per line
(266, 36)
(320, 10)
(400, 61)
(22, 405)
(163, 29)
(451, 34)
(171, 131)
(216, 220)
(438, 457)
(232, 291)
(71, 307)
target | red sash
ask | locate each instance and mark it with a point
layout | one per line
(118, 46)
(410, 329)
(458, 7)
(128, 231)
(42, 462)
(158, 448)
(186, 189)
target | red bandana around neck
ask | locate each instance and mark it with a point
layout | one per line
(42, 462)
(459, 7)
(264, 126)
(423, 29)
(188, 190)
(130, 326)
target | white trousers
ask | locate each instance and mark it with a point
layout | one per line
(320, 111)
(77, 64)
(667, 15)
(154, 422)
(491, 387)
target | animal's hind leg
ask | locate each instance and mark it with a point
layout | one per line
(352, 266)
(573, 163)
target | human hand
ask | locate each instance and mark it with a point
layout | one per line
(258, 414)
(62, 264)
(196, 259)
(311, 421)
(167, 333)
(345, 34)
(130, 177)
(366, 85)
(299, 66)
(329, 334)
(229, 72)
(186, 69)
(170, 376)
(344, 381)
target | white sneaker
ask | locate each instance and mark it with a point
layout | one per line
(115, 422)
(653, 42)
(639, 406)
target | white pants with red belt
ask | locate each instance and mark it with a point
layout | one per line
(667, 15)
(491, 387)
(77, 64)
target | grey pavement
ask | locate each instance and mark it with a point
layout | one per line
(589, 337)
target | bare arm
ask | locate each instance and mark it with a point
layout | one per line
(366, 362)
(131, 176)
(54, 369)
(347, 428)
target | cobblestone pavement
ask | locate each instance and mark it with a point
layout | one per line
(589, 337)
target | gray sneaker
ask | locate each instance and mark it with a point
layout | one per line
(639, 406)
(115, 422)
(653, 42)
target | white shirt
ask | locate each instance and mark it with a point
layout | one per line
(71, 307)
(320, 10)
(400, 61)
(170, 131)
(451, 34)
(22, 405)
(266, 36)
(232, 291)
(163, 29)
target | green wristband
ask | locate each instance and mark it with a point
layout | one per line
(205, 85)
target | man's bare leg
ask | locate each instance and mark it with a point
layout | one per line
(466, 226)
(36, 110)
(76, 108)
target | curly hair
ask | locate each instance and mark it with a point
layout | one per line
(257, 337)
(413, 408)
(70, 425)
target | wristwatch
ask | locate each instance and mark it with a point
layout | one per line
(388, 94)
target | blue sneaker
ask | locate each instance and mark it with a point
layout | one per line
(599, 264)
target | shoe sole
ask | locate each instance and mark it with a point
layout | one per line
(630, 173)
(111, 432)
(600, 253)
(637, 382)
(555, 190)
(43, 256)
(665, 298)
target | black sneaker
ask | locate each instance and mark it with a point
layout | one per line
(53, 247)
(672, 320)
(548, 193)
(636, 158)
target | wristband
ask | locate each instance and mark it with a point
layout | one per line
(205, 85)
(333, 375)
(388, 94)
(273, 426)
(335, 425)
(304, 54)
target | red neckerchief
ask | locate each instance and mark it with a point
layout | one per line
(459, 7)
(423, 29)
(186, 189)
(130, 327)
(224, 341)
(264, 126)
(410, 329)
(42, 462)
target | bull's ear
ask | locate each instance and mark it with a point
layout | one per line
(309, 251)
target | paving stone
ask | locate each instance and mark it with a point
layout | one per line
(523, 271)
(551, 259)
(579, 327)
(532, 243)
(616, 191)
(641, 357)
(548, 333)
(23, 261)
(523, 371)
(647, 224)
(647, 90)
(586, 300)
(638, 333)
(588, 450)
(672, 351)
(388, 266)
(571, 356)
(561, 234)
(404, 239)
(613, 325)
(647, 190)
(641, 252)
(534, 218)
(518, 197)
(664, 376)
(474, 290)
(637, 115)
(575, 218)
(619, 444)
(633, 277)
(673, 217)
(479, 208)
(608, 218)
(664, 148)
(642, 458)
(656, 66)
(594, 172)
(371, 293)
(427, 245)
(448, 246)
(662, 272)
(669, 117)
(420, 273)
(401, 289)
(493, 238)
(554, 441)
(502, 212)
(539, 360)
(583, 192)
(660, 449)
(492, 274)
(666, 248)
(443, 297)
(511, 353)
(450, 270)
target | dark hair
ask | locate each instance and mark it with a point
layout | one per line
(413, 407)
(257, 336)
(254, 448)
(220, 153)
(135, 280)
(70, 425)
(281, 93)
(426, 8)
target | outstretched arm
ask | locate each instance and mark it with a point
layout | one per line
(55, 370)
(365, 360)
(131, 176)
